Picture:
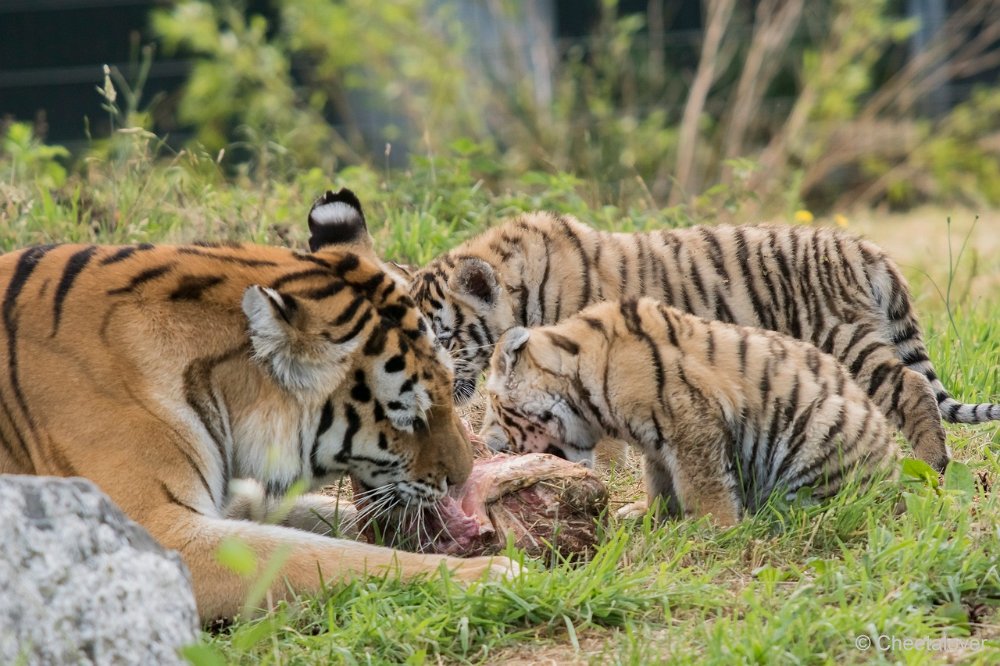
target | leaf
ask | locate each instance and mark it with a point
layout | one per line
(236, 555)
(919, 470)
(958, 477)
(200, 654)
(954, 614)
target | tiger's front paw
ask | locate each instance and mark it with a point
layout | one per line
(496, 567)
(633, 510)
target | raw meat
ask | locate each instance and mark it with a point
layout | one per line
(537, 500)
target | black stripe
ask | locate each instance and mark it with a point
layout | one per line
(563, 343)
(356, 329)
(542, 283)
(299, 275)
(176, 500)
(715, 253)
(229, 259)
(331, 289)
(26, 265)
(325, 421)
(859, 360)
(583, 260)
(699, 285)
(191, 287)
(180, 440)
(630, 311)
(668, 322)
(200, 396)
(762, 312)
(815, 468)
(124, 253)
(353, 427)
(897, 392)
(348, 313)
(143, 277)
(304, 256)
(640, 243)
(742, 351)
(74, 265)
(878, 376)
(20, 453)
(913, 357)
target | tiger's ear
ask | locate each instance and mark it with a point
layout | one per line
(337, 219)
(296, 356)
(475, 279)
(511, 343)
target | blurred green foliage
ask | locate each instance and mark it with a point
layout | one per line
(812, 108)
(27, 159)
(821, 97)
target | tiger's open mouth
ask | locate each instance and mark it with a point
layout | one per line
(537, 500)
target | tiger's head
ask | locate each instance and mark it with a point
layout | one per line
(380, 383)
(535, 401)
(469, 310)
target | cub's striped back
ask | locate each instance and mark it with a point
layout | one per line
(837, 291)
(725, 415)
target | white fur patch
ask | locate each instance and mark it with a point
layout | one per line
(272, 340)
(335, 213)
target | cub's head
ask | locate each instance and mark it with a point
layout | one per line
(468, 308)
(534, 397)
(346, 339)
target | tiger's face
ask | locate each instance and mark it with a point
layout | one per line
(468, 309)
(532, 390)
(392, 423)
(350, 343)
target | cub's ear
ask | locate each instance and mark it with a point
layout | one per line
(511, 343)
(298, 357)
(337, 219)
(475, 280)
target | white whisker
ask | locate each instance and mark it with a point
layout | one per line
(474, 348)
(443, 522)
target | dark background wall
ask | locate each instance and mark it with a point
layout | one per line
(51, 58)
(52, 52)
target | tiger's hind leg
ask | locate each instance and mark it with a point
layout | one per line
(700, 481)
(903, 395)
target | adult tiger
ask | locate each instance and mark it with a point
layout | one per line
(841, 293)
(162, 373)
(725, 415)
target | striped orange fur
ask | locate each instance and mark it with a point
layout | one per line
(725, 415)
(842, 293)
(163, 373)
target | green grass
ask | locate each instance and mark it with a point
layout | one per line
(793, 584)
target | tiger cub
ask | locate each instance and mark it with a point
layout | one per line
(164, 373)
(837, 291)
(726, 415)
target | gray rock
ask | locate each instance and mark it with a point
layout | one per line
(80, 583)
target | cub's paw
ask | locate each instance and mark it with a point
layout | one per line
(633, 510)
